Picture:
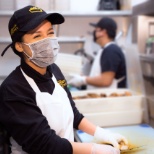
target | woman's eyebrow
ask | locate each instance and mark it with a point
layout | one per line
(50, 29)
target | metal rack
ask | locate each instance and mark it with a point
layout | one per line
(143, 15)
(86, 14)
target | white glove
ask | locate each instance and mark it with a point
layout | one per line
(105, 136)
(77, 80)
(104, 149)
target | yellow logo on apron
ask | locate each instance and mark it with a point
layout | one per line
(62, 83)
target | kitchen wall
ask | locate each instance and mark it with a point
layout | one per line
(60, 5)
(73, 5)
(136, 2)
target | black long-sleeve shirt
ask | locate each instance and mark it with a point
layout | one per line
(22, 118)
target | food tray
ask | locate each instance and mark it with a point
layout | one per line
(111, 111)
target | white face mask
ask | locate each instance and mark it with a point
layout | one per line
(44, 52)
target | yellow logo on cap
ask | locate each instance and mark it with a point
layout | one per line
(35, 9)
(13, 29)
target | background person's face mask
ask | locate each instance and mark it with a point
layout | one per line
(94, 36)
(44, 52)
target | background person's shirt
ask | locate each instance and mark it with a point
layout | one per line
(113, 59)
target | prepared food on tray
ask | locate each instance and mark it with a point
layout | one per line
(101, 95)
(126, 93)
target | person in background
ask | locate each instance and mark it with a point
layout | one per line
(36, 107)
(109, 67)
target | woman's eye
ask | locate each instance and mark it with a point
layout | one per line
(36, 36)
(51, 33)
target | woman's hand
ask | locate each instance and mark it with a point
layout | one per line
(105, 136)
(104, 149)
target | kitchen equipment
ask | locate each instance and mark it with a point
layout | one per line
(150, 39)
(107, 5)
(140, 138)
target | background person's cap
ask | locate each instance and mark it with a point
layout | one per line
(107, 23)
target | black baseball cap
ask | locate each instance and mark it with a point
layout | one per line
(28, 18)
(107, 23)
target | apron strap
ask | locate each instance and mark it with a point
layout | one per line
(122, 78)
(30, 81)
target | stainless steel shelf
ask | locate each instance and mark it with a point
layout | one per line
(76, 39)
(97, 13)
(61, 39)
(83, 14)
(147, 57)
(5, 40)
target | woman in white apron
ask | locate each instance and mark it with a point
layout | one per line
(108, 69)
(36, 106)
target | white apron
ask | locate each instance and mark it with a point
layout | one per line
(96, 70)
(56, 108)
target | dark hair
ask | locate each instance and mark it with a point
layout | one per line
(19, 39)
(20, 54)
(111, 33)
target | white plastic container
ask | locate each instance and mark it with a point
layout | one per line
(62, 5)
(111, 111)
(20, 4)
(84, 6)
(109, 119)
(44, 4)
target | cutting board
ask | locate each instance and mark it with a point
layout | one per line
(140, 138)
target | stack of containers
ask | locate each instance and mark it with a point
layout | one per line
(47, 5)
